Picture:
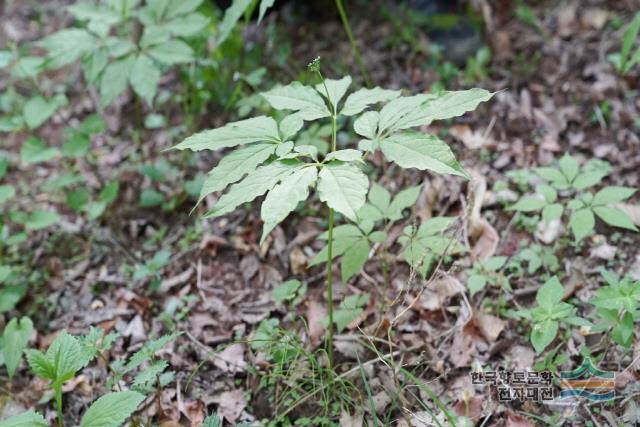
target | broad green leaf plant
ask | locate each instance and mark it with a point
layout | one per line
(111, 52)
(68, 354)
(569, 181)
(267, 159)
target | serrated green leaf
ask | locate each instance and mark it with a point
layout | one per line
(26, 419)
(181, 7)
(549, 194)
(41, 365)
(172, 52)
(552, 175)
(295, 96)
(255, 129)
(186, 26)
(367, 124)
(421, 151)
(568, 167)
(582, 222)
(255, 184)
(615, 217)
(610, 195)
(346, 155)
(290, 125)
(359, 100)
(529, 204)
(41, 219)
(7, 192)
(444, 106)
(354, 259)
(212, 421)
(231, 17)
(236, 165)
(67, 46)
(344, 237)
(379, 197)
(343, 187)
(284, 198)
(349, 310)
(403, 200)
(112, 410)
(34, 150)
(588, 179)
(15, 337)
(476, 283)
(543, 334)
(550, 293)
(144, 78)
(334, 90)
(38, 110)
(552, 212)
(398, 108)
(114, 79)
(286, 291)
(150, 373)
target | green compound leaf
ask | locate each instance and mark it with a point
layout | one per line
(444, 106)
(359, 100)
(335, 88)
(144, 78)
(343, 187)
(295, 96)
(543, 334)
(26, 419)
(582, 222)
(15, 336)
(421, 151)
(255, 184)
(172, 52)
(615, 217)
(236, 165)
(112, 410)
(255, 129)
(610, 195)
(284, 197)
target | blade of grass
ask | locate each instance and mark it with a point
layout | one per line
(372, 407)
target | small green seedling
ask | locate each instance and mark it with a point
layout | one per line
(537, 257)
(487, 272)
(617, 307)
(14, 341)
(548, 314)
(113, 56)
(292, 292)
(424, 245)
(584, 206)
(627, 58)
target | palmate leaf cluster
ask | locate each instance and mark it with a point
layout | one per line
(112, 60)
(268, 160)
(569, 179)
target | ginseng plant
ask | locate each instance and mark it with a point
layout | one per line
(270, 161)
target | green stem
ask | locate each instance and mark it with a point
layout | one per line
(57, 389)
(330, 258)
(352, 42)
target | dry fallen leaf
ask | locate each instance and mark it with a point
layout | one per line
(439, 291)
(489, 326)
(316, 315)
(515, 420)
(231, 404)
(348, 420)
(298, 261)
(463, 346)
(231, 359)
(473, 140)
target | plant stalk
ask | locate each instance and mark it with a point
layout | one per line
(352, 42)
(330, 258)
(57, 390)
